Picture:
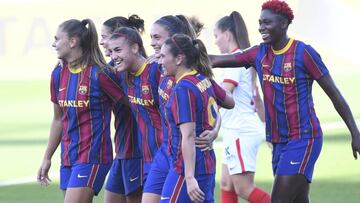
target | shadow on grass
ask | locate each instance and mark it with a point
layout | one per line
(321, 191)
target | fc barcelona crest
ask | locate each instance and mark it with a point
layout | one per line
(145, 89)
(169, 84)
(287, 67)
(83, 90)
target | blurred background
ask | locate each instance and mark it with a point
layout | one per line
(27, 29)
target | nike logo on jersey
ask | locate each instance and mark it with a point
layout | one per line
(80, 176)
(133, 179)
(62, 89)
(164, 198)
(294, 162)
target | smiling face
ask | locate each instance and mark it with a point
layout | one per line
(62, 44)
(168, 61)
(272, 27)
(158, 34)
(122, 53)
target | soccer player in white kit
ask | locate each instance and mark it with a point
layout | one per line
(241, 128)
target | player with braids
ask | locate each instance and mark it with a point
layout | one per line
(83, 91)
(287, 69)
(124, 183)
(241, 128)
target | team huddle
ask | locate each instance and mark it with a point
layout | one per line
(168, 110)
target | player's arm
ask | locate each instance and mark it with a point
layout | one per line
(205, 139)
(328, 85)
(54, 141)
(236, 60)
(189, 156)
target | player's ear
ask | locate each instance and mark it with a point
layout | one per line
(135, 48)
(179, 59)
(73, 42)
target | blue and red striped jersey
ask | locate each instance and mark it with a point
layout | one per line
(85, 98)
(142, 91)
(126, 136)
(165, 87)
(286, 78)
(192, 99)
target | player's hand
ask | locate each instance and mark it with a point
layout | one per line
(152, 58)
(193, 190)
(43, 173)
(355, 145)
(206, 139)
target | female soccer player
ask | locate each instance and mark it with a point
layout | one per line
(191, 109)
(124, 183)
(139, 80)
(241, 128)
(110, 25)
(161, 30)
(82, 91)
(287, 69)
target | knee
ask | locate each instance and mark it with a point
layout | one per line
(276, 197)
(243, 190)
(226, 185)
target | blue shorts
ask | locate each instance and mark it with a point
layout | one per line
(296, 157)
(84, 175)
(175, 190)
(147, 167)
(125, 177)
(158, 172)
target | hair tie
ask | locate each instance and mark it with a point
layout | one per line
(84, 22)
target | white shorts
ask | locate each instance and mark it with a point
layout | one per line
(240, 149)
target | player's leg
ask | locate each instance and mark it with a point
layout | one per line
(113, 197)
(79, 195)
(86, 180)
(228, 193)
(114, 188)
(156, 177)
(244, 167)
(293, 165)
(288, 188)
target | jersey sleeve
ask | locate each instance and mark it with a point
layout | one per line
(232, 75)
(183, 106)
(111, 85)
(54, 84)
(314, 64)
(247, 57)
(220, 93)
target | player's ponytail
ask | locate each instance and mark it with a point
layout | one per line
(203, 62)
(236, 25)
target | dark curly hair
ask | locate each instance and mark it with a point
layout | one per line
(279, 7)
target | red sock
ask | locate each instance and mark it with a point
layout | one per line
(259, 196)
(228, 197)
